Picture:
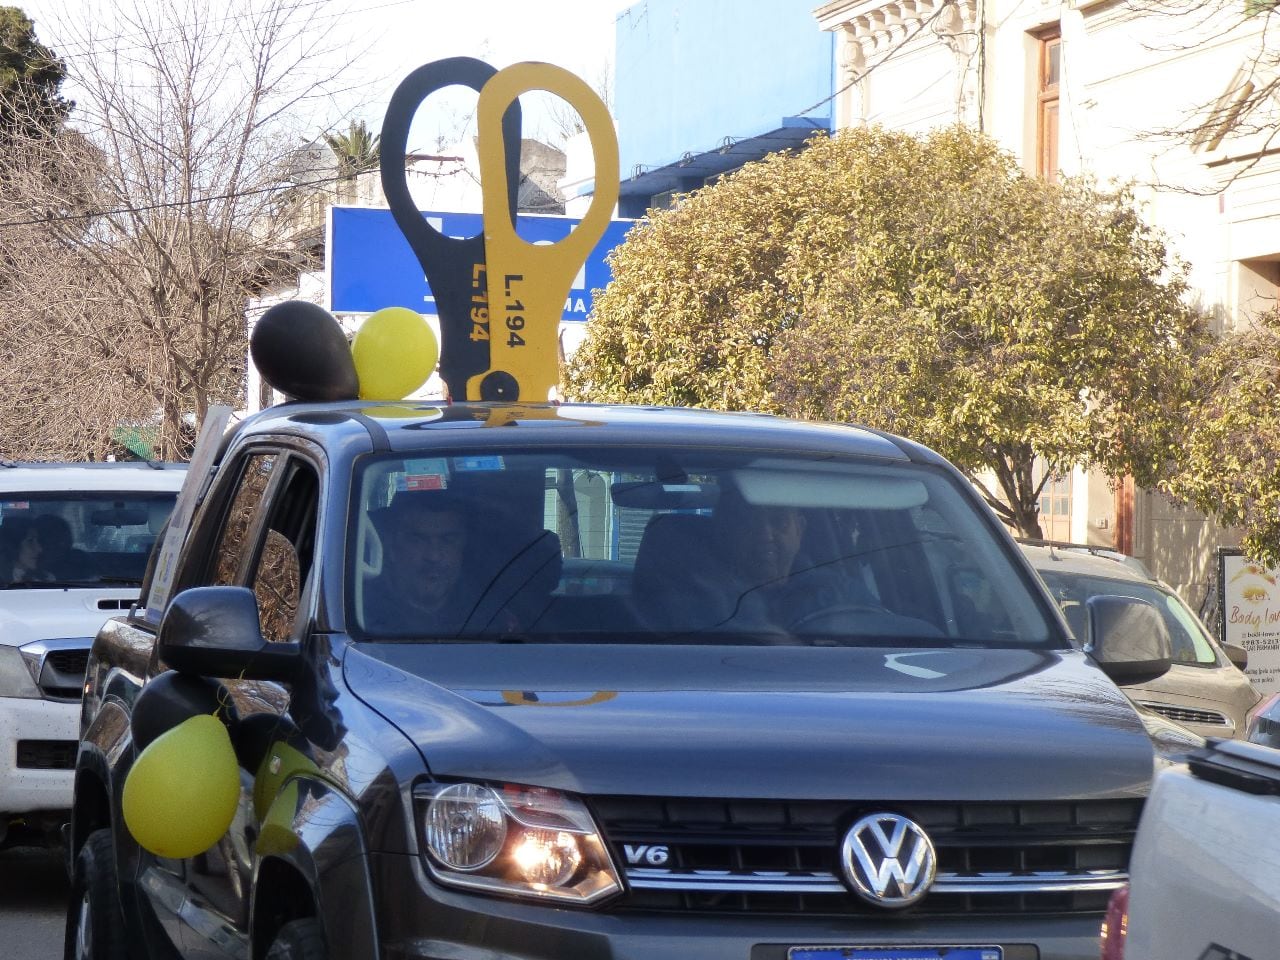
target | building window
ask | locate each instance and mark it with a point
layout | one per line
(1055, 508)
(663, 201)
(1257, 289)
(1048, 74)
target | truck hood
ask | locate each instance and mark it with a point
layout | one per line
(51, 613)
(763, 722)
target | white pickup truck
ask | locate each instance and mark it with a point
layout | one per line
(1205, 873)
(74, 544)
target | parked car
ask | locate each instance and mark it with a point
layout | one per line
(74, 541)
(1205, 689)
(1204, 863)
(1264, 722)
(588, 681)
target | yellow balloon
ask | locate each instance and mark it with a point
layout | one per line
(182, 792)
(394, 352)
(276, 834)
(281, 762)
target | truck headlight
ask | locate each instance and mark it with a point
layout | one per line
(521, 841)
(15, 676)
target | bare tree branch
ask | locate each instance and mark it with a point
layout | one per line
(138, 233)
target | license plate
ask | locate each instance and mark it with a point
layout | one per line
(895, 953)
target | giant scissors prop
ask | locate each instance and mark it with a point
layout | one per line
(499, 298)
(454, 266)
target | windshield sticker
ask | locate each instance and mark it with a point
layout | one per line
(15, 505)
(422, 481)
(478, 463)
(427, 465)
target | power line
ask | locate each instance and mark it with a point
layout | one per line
(920, 27)
(171, 204)
(93, 46)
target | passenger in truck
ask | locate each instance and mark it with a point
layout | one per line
(20, 551)
(58, 558)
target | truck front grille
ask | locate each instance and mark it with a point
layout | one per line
(70, 662)
(58, 666)
(784, 857)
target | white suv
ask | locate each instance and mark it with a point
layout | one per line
(74, 544)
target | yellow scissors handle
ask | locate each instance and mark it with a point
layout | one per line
(528, 282)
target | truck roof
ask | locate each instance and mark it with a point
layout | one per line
(1082, 561)
(409, 425)
(51, 477)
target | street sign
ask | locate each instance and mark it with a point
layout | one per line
(371, 266)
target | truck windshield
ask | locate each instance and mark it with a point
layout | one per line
(58, 540)
(678, 544)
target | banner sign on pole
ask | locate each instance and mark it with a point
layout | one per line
(371, 265)
(1249, 594)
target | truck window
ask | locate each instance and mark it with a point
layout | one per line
(677, 545)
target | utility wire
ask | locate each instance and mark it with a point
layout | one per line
(168, 205)
(92, 46)
(920, 27)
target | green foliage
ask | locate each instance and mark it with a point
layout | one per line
(922, 285)
(30, 78)
(357, 150)
(1230, 464)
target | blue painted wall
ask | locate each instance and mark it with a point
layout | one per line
(691, 72)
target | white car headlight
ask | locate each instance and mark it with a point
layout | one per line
(15, 676)
(521, 841)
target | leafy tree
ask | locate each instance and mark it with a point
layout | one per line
(357, 150)
(30, 78)
(922, 285)
(1230, 463)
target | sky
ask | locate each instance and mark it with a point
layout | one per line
(575, 34)
(392, 37)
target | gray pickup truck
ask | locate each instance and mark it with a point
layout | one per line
(592, 682)
(1206, 866)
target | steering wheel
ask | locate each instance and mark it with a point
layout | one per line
(833, 614)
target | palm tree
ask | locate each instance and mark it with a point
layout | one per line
(357, 150)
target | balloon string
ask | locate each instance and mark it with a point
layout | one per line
(224, 697)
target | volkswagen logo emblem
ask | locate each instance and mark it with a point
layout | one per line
(888, 859)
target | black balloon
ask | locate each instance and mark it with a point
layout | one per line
(168, 700)
(300, 349)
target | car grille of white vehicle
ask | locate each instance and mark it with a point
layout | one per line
(1188, 714)
(58, 666)
(783, 857)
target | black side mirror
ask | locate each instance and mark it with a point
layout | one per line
(1237, 655)
(215, 632)
(1128, 639)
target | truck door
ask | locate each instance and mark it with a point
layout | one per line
(265, 541)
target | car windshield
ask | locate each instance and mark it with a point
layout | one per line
(1191, 644)
(678, 544)
(64, 539)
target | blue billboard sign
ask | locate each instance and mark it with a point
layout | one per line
(371, 265)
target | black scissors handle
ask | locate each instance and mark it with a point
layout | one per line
(454, 267)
